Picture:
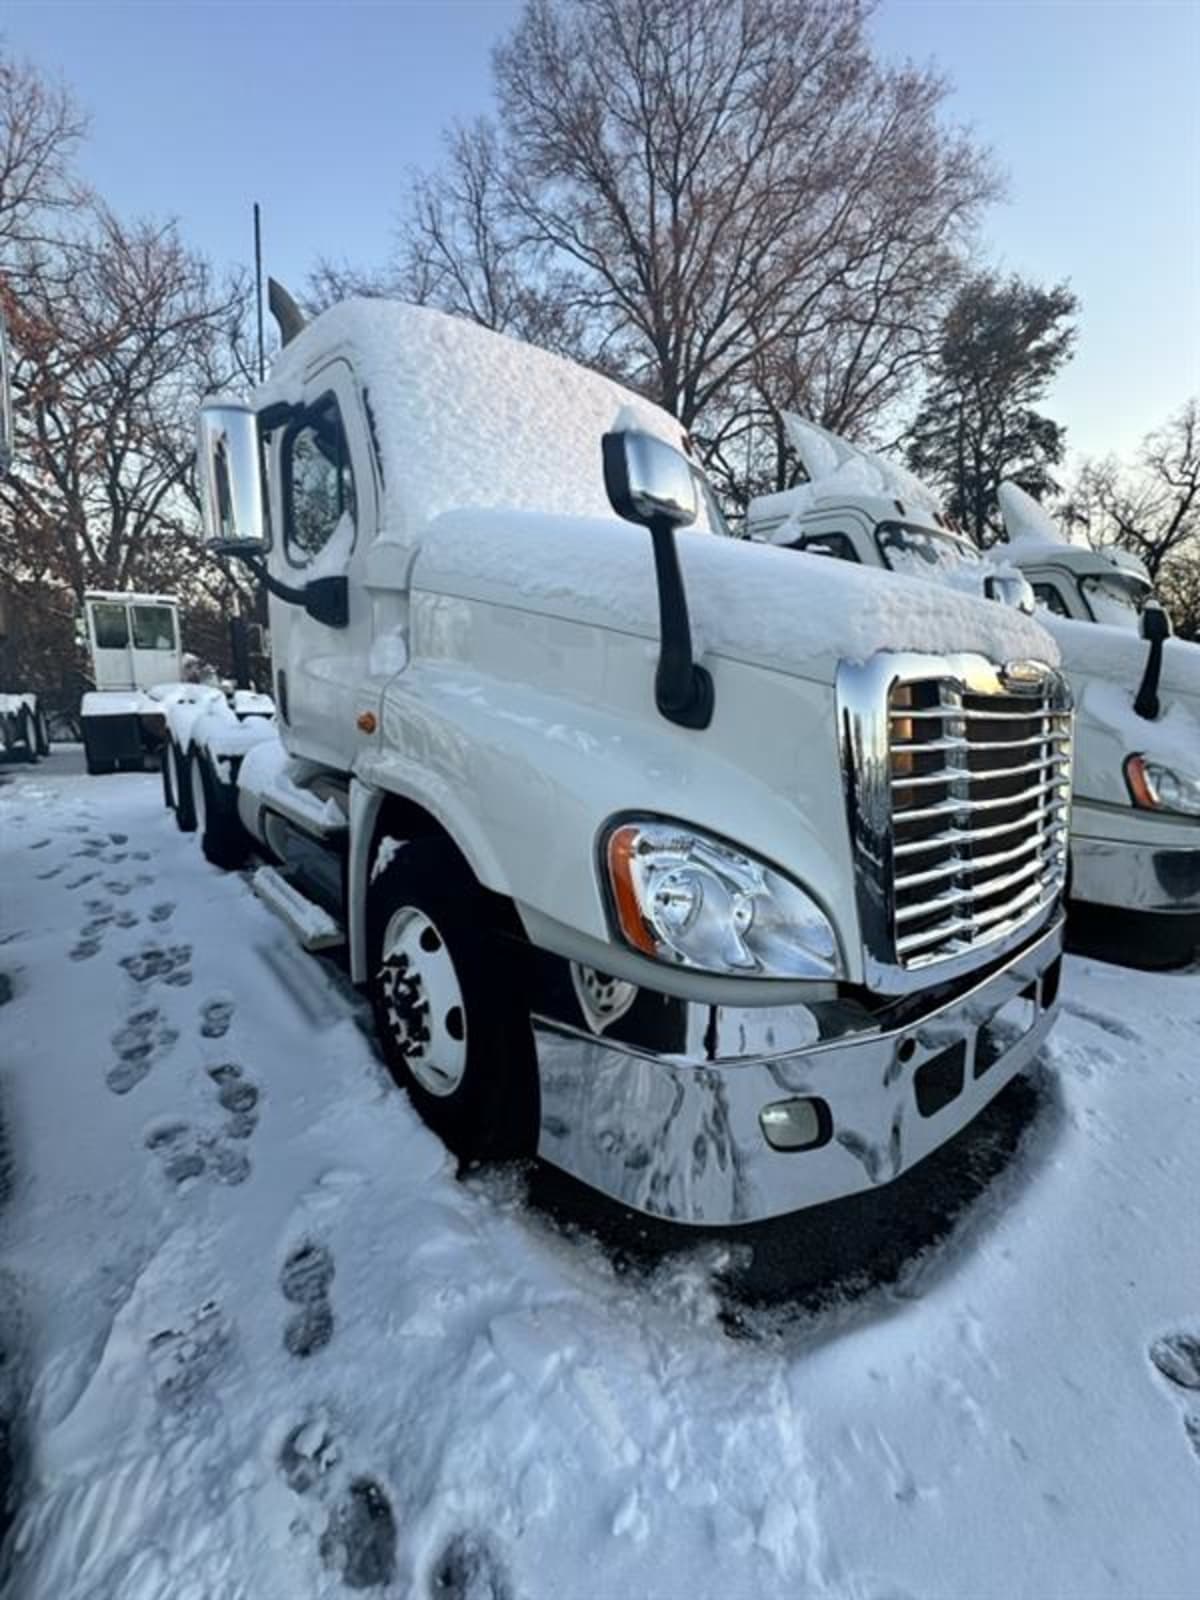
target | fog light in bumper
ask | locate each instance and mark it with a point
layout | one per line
(796, 1124)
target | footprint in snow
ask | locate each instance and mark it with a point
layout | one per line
(141, 855)
(78, 883)
(143, 1039)
(119, 838)
(215, 1017)
(172, 964)
(39, 844)
(237, 1095)
(1177, 1358)
(126, 919)
(44, 877)
(359, 1538)
(186, 1155)
(117, 886)
(162, 911)
(184, 1359)
(304, 1281)
(467, 1569)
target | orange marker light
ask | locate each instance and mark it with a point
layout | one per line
(366, 722)
(621, 849)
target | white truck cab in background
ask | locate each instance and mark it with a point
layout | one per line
(710, 875)
(1135, 824)
(133, 645)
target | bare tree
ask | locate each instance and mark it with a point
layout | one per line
(40, 131)
(727, 203)
(1152, 509)
(108, 369)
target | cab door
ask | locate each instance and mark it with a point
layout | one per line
(326, 504)
(108, 636)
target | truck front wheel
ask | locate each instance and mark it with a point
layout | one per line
(446, 991)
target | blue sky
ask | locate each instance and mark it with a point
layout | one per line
(319, 110)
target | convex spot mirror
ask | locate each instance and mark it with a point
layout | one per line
(229, 461)
(6, 418)
(648, 480)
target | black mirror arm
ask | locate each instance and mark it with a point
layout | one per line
(326, 600)
(1156, 628)
(1146, 705)
(683, 690)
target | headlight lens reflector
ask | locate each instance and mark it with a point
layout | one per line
(685, 897)
(1156, 787)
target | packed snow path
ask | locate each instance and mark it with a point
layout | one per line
(260, 1342)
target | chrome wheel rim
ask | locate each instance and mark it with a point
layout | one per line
(199, 805)
(423, 1002)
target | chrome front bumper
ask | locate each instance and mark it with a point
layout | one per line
(1135, 876)
(680, 1137)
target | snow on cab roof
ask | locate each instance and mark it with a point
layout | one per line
(125, 597)
(466, 417)
(1033, 534)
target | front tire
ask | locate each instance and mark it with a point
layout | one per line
(447, 994)
(29, 736)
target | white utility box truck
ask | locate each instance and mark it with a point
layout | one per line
(727, 881)
(1135, 822)
(133, 642)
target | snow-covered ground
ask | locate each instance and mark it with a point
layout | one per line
(262, 1344)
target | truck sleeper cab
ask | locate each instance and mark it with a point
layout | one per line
(722, 881)
(1135, 845)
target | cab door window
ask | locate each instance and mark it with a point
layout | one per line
(110, 624)
(837, 545)
(318, 481)
(153, 628)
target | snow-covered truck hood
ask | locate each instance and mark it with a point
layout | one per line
(753, 603)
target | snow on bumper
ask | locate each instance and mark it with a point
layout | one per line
(684, 1140)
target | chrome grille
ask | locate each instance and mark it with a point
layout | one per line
(979, 781)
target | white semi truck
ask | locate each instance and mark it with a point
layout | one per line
(726, 881)
(1135, 827)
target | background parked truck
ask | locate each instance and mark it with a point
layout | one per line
(1135, 830)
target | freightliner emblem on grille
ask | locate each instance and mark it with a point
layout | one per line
(1024, 677)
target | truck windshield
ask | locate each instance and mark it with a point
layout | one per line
(716, 517)
(922, 552)
(1115, 598)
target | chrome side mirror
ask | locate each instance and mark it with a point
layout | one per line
(648, 480)
(6, 416)
(229, 462)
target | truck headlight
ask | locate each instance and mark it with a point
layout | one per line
(1156, 787)
(693, 900)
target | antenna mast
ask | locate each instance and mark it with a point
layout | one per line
(258, 295)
